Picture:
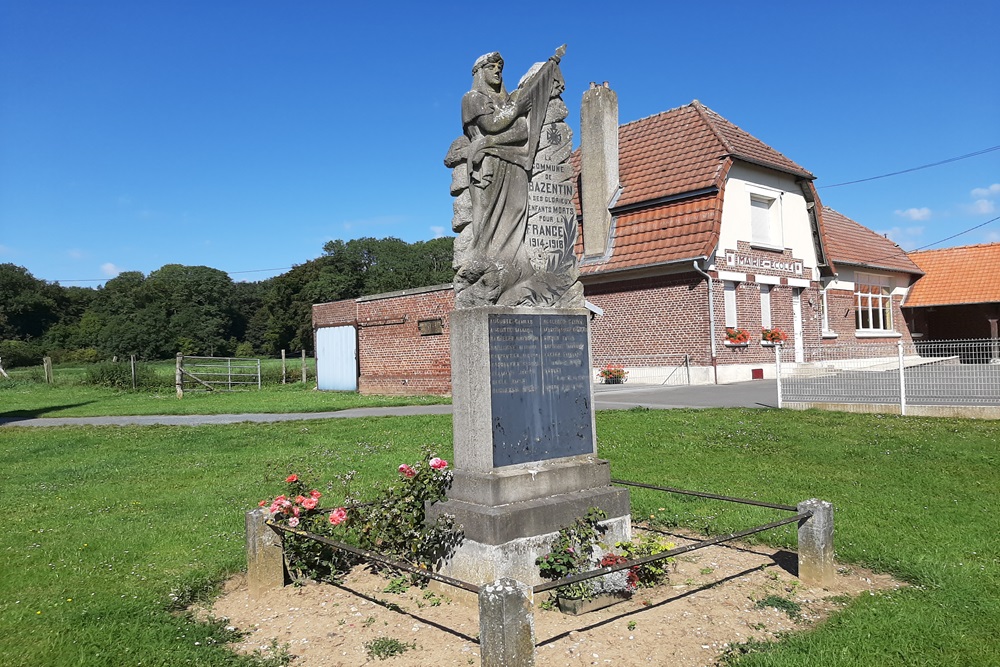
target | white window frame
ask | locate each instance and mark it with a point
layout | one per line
(729, 288)
(765, 306)
(873, 304)
(769, 234)
(825, 307)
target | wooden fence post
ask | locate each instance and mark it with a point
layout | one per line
(47, 366)
(282, 366)
(178, 376)
(303, 366)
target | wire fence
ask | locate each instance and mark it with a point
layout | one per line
(918, 373)
(657, 369)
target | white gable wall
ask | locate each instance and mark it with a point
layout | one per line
(746, 181)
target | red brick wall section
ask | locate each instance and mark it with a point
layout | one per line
(669, 316)
(665, 316)
(336, 313)
(843, 322)
(395, 358)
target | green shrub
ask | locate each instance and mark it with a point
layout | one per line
(14, 353)
(244, 350)
(118, 375)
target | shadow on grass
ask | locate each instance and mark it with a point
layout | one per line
(21, 415)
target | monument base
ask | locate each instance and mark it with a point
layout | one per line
(481, 563)
(511, 517)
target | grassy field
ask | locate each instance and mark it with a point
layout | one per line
(24, 399)
(109, 530)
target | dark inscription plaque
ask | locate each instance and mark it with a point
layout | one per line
(540, 372)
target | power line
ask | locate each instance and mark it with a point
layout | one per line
(923, 247)
(924, 166)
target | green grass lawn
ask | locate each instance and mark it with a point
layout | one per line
(110, 528)
(21, 399)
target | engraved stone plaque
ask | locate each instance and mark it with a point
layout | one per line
(540, 372)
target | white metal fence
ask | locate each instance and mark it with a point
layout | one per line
(932, 373)
(658, 369)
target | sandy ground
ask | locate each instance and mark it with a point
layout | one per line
(709, 605)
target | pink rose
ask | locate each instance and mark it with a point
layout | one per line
(292, 478)
(309, 503)
(407, 471)
(262, 503)
(438, 464)
(280, 498)
(315, 494)
(293, 522)
(299, 499)
(338, 516)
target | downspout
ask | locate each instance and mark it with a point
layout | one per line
(711, 319)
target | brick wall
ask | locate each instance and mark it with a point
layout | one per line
(843, 322)
(669, 316)
(335, 313)
(666, 315)
(394, 356)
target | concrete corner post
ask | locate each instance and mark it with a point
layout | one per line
(265, 555)
(506, 624)
(816, 566)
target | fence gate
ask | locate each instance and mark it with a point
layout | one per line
(337, 358)
(211, 373)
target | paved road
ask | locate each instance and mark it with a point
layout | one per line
(757, 394)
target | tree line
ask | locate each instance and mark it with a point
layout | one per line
(200, 310)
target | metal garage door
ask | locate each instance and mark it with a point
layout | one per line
(337, 358)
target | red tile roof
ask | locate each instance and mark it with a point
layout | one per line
(673, 168)
(848, 242)
(680, 230)
(967, 274)
(683, 151)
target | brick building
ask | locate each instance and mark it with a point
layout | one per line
(689, 228)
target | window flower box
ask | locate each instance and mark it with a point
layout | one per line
(736, 337)
(772, 337)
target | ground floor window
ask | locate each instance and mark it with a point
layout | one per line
(765, 306)
(729, 288)
(873, 302)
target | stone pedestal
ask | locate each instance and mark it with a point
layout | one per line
(525, 453)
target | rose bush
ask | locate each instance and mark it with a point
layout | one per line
(393, 523)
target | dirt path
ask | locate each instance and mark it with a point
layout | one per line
(710, 604)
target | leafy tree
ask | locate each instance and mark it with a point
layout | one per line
(200, 310)
(27, 306)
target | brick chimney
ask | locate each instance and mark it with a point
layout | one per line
(598, 166)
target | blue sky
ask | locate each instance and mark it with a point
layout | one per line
(244, 134)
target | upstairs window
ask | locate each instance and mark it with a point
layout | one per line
(873, 302)
(765, 218)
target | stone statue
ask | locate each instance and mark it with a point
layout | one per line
(512, 180)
